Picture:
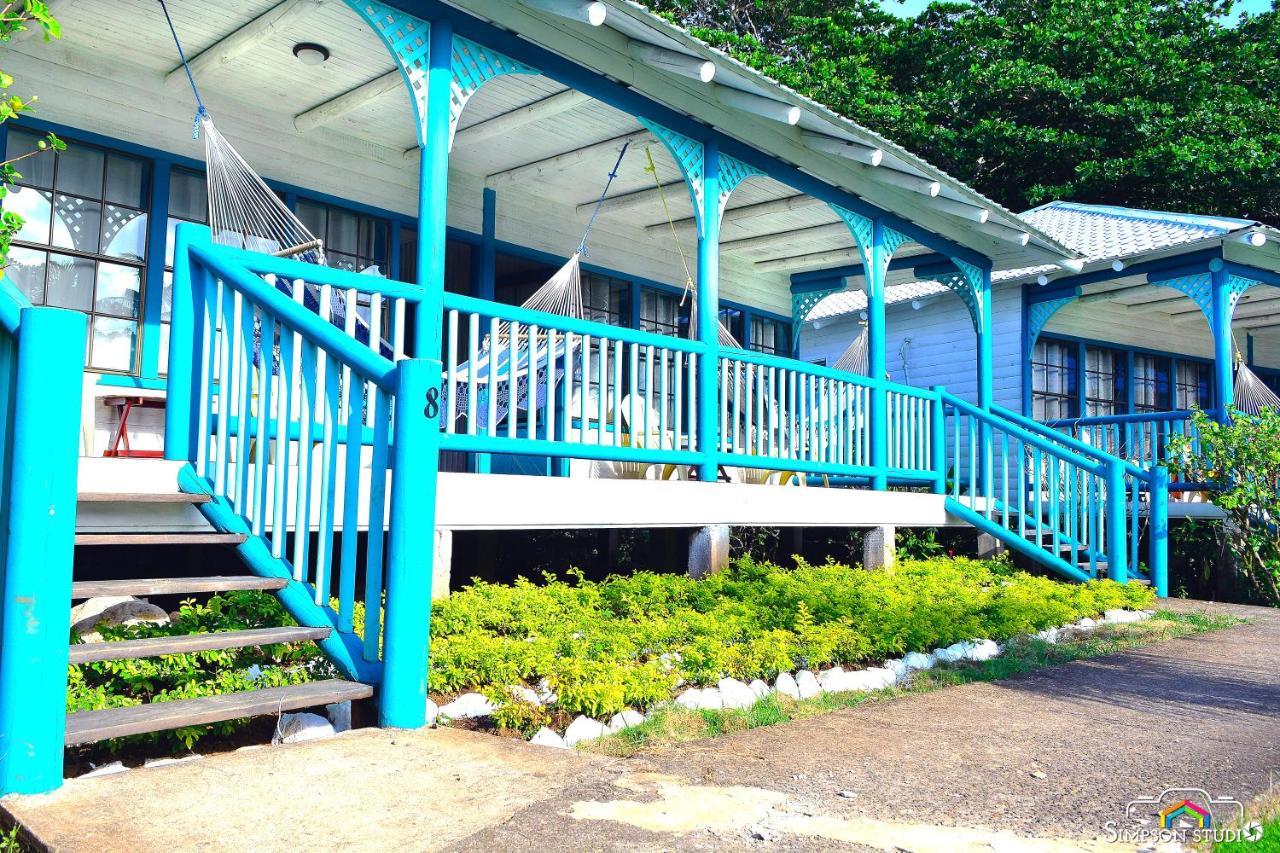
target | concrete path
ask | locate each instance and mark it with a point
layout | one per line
(1041, 762)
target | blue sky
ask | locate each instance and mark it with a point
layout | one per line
(911, 8)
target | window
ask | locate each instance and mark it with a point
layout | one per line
(604, 299)
(1053, 380)
(1193, 388)
(1104, 382)
(517, 278)
(83, 243)
(1150, 384)
(731, 319)
(769, 335)
(188, 202)
(352, 241)
(662, 313)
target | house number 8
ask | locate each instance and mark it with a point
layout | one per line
(432, 409)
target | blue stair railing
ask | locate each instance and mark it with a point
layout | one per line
(296, 426)
(1052, 498)
(41, 382)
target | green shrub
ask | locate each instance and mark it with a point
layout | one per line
(629, 641)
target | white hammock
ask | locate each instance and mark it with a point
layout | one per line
(856, 359)
(1251, 393)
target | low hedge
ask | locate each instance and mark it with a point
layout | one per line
(629, 641)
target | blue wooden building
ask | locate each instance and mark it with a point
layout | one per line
(450, 158)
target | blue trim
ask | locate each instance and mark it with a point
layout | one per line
(488, 266)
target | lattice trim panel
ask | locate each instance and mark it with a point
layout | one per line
(803, 303)
(690, 156)
(1039, 314)
(408, 38)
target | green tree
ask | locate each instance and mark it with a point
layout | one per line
(1240, 462)
(16, 17)
(1149, 103)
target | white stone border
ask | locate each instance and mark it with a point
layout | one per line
(732, 694)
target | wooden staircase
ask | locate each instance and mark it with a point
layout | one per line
(86, 727)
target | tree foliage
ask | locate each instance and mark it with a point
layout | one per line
(16, 17)
(1240, 463)
(1147, 103)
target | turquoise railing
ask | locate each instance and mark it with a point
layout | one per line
(778, 412)
(1146, 497)
(529, 382)
(293, 425)
(1045, 500)
(1142, 438)
(41, 381)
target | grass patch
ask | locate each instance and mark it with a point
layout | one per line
(672, 724)
(1267, 811)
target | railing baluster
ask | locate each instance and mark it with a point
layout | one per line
(306, 453)
(451, 344)
(351, 505)
(266, 364)
(376, 549)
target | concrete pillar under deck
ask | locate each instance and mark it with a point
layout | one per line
(708, 550)
(989, 547)
(442, 564)
(880, 548)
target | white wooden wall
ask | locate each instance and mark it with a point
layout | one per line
(936, 345)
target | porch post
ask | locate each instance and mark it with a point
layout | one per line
(433, 193)
(986, 380)
(875, 274)
(708, 305)
(486, 284)
(45, 368)
(1223, 356)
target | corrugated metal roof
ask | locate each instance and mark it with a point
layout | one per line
(1102, 233)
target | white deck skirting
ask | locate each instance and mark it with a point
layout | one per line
(507, 502)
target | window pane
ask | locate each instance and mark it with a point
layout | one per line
(119, 288)
(80, 171)
(35, 207)
(126, 180)
(114, 343)
(124, 233)
(76, 223)
(312, 216)
(36, 170)
(166, 298)
(70, 282)
(344, 232)
(26, 271)
(188, 196)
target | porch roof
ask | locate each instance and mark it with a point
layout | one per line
(1105, 235)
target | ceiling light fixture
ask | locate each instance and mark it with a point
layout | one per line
(309, 53)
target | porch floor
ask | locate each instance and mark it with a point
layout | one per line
(1078, 742)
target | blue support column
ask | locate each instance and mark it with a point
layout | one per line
(433, 192)
(402, 701)
(709, 316)
(1159, 531)
(35, 615)
(487, 281)
(157, 229)
(876, 272)
(1117, 529)
(486, 288)
(1223, 350)
(186, 346)
(986, 378)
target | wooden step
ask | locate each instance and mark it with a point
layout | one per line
(182, 644)
(160, 538)
(143, 497)
(91, 726)
(143, 587)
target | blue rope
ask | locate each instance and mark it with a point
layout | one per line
(582, 246)
(201, 112)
